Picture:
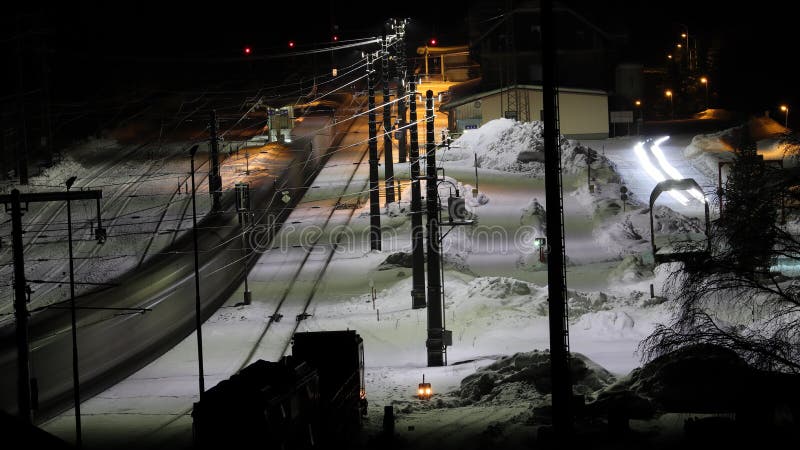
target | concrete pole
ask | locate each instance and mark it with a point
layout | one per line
(214, 179)
(374, 194)
(388, 170)
(556, 272)
(20, 312)
(435, 341)
(417, 238)
(197, 311)
(76, 382)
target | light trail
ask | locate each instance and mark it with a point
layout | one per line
(654, 173)
(669, 169)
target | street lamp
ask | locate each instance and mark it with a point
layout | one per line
(75, 376)
(689, 58)
(704, 80)
(198, 319)
(668, 93)
(785, 109)
(640, 119)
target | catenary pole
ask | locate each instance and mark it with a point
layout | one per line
(388, 169)
(556, 271)
(417, 236)
(374, 194)
(435, 341)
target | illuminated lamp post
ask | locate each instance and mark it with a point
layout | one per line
(668, 93)
(704, 81)
(785, 110)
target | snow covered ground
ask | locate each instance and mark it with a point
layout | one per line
(495, 295)
(145, 206)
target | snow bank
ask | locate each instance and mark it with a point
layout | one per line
(631, 234)
(526, 376)
(632, 268)
(706, 150)
(715, 114)
(698, 378)
(397, 214)
(521, 377)
(511, 146)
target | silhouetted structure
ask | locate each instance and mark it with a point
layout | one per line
(314, 398)
(587, 54)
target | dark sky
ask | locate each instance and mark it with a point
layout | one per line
(755, 40)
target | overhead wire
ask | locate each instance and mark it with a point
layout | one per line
(307, 160)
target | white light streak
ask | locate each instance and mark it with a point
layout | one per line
(654, 173)
(669, 169)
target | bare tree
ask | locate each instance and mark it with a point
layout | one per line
(742, 295)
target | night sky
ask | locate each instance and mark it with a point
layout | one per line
(154, 37)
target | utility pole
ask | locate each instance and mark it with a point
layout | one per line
(417, 238)
(400, 66)
(435, 341)
(214, 178)
(20, 302)
(388, 173)
(20, 312)
(556, 271)
(374, 194)
(75, 376)
(197, 309)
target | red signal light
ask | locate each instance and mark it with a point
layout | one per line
(335, 38)
(291, 44)
(433, 41)
(247, 50)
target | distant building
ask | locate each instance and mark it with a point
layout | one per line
(584, 112)
(505, 39)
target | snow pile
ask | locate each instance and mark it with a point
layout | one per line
(714, 114)
(473, 200)
(487, 315)
(526, 377)
(607, 324)
(498, 288)
(632, 268)
(397, 214)
(581, 303)
(534, 216)
(699, 378)
(452, 260)
(523, 377)
(604, 203)
(631, 235)
(626, 237)
(533, 225)
(509, 146)
(707, 150)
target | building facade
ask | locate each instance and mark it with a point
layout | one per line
(583, 112)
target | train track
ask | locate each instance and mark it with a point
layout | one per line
(50, 212)
(280, 307)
